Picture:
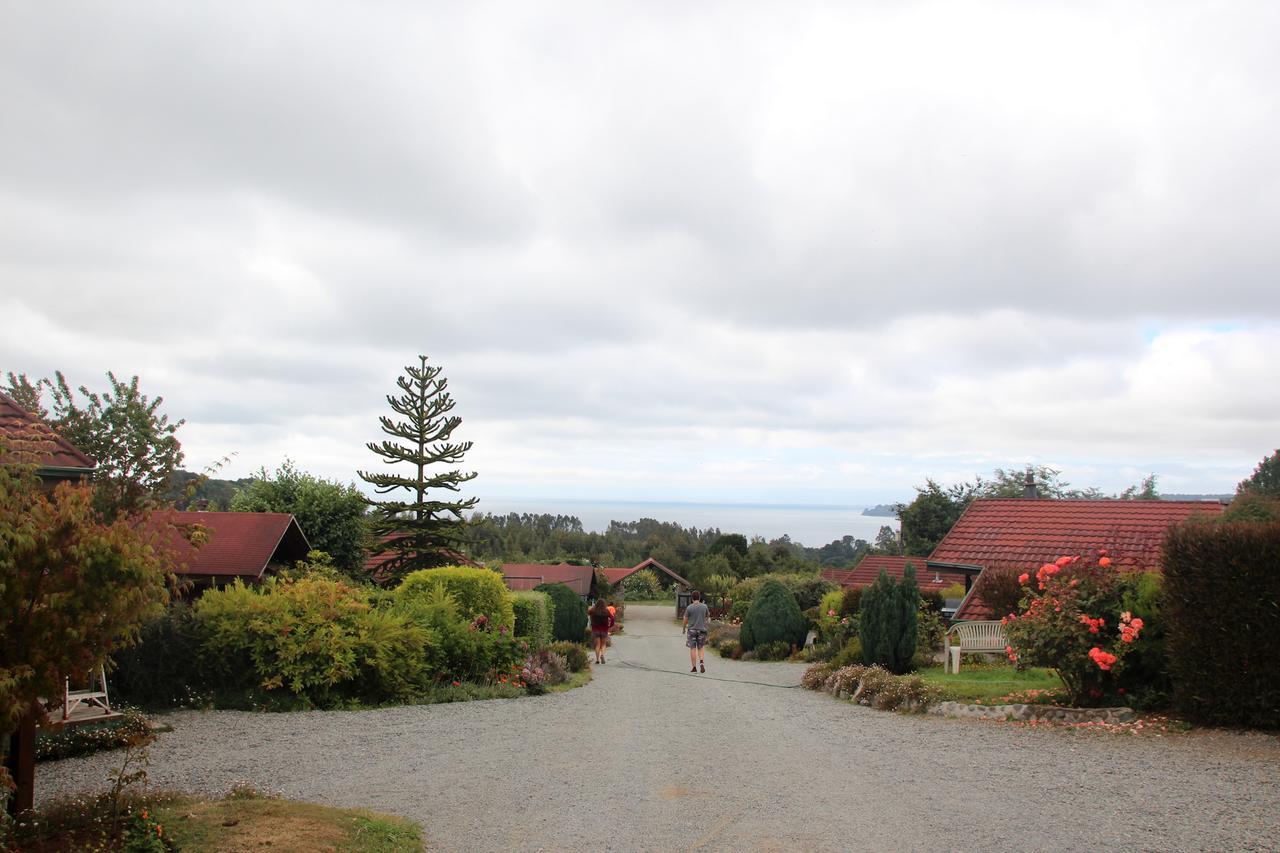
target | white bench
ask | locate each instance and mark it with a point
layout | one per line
(973, 638)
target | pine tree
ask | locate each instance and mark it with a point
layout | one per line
(420, 531)
(909, 610)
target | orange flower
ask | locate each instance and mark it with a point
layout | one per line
(1104, 562)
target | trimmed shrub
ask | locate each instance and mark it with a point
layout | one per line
(534, 613)
(852, 601)
(887, 621)
(569, 621)
(315, 640)
(574, 654)
(729, 649)
(1222, 590)
(478, 592)
(778, 650)
(162, 670)
(849, 655)
(773, 617)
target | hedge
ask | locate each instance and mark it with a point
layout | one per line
(570, 618)
(535, 613)
(1222, 611)
(477, 591)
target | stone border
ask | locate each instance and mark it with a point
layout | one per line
(1039, 713)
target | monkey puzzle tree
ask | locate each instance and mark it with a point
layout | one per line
(417, 528)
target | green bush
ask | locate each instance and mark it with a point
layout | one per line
(316, 640)
(569, 621)
(774, 616)
(852, 601)
(534, 616)
(807, 589)
(1222, 589)
(729, 649)
(849, 655)
(887, 621)
(161, 670)
(1145, 677)
(779, 650)
(479, 592)
(642, 586)
(574, 654)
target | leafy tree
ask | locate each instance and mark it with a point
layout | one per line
(1265, 479)
(888, 541)
(1144, 491)
(329, 513)
(934, 511)
(73, 588)
(421, 531)
(135, 445)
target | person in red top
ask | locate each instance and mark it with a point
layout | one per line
(601, 622)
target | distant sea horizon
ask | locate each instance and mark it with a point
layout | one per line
(812, 525)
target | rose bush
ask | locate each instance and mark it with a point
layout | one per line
(1071, 620)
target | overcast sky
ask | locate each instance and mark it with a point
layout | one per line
(770, 252)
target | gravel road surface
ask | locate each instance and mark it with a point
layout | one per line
(650, 757)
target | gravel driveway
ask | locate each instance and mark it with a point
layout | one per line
(649, 757)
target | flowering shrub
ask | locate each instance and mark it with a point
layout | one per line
(542, 669)
(1071, 622)
(873, 685)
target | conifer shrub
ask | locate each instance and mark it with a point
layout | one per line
(160, 671)
(534, 613)
(887, 622)
(478, 592)
(569, 621)
(1222, 615)
(774, 616)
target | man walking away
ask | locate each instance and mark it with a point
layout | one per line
(695, 628)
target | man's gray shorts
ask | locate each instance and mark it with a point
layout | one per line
(695, 638)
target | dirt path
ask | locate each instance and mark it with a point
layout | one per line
(650, 757)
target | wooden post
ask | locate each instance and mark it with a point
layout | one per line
(20, 761)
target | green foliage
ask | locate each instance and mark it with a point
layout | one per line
(73, 589)
(849, 654)
(1145, 677)
(932, 514)
(161, 670)
(887, 621)
(642, 586)
(421, 528)
(134, 444)
(478, 592)
(1071, 621)
(569, 621)
(88, 738)
(317, 640)
(1265, 479)
(1222, 607)
(808, 589)
(777, 650)
(574, 654)
(535, 615)
(1000, 590)
(954, 592)
(330, 514)
(929, 633)
(774, 616)
(1250, 506)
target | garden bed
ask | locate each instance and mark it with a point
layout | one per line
(994, 684)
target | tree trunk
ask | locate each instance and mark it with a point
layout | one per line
(20, 761)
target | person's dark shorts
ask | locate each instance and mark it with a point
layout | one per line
(599, 632)
(695, 638)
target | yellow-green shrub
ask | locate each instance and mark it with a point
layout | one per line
(478, 592)
(534, 612)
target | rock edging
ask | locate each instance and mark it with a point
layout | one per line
(1028, 713)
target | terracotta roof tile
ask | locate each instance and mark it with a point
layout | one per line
(868, 569)
(241, 544)
(52, 450)
(1025, 533)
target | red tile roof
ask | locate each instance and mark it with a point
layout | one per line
(868, 569)
(523, 576)
(241, 544)
(39, 443)
(1024, 533)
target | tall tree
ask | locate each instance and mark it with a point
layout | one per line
(133, 442)
(1265, 479)
(72, 589)
(935, 510)
(420, 530)
(330, 514)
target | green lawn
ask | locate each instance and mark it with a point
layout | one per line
(984, 683)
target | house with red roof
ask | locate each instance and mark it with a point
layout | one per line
(864, 574)
(523, 576)
(617, 576)
(29, 440)
(244, 545)
(1021, 534)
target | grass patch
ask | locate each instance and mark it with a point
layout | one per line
(987, 683)
(242, 820)
(236, 823)
(576, 679)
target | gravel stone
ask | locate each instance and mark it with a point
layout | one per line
(651, 757)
